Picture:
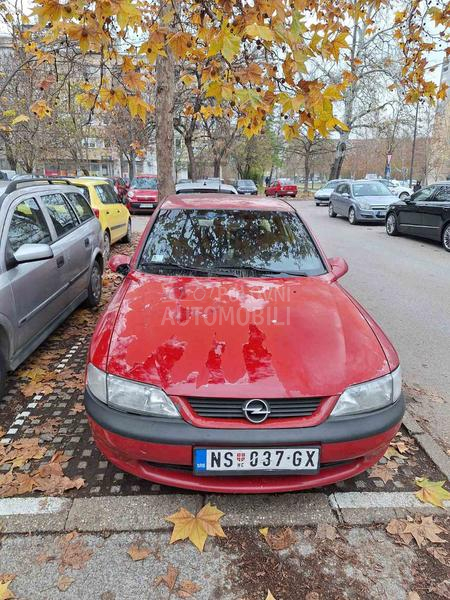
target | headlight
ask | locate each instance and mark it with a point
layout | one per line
(129, 396)
(369, 396)
(364, 205)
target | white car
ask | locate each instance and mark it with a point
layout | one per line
(397, 189)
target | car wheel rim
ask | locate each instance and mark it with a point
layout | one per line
(330, 209)
(447, 238)
(96, 282)
(390, 224)
(351, 216)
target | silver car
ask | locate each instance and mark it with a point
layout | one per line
(50, 262)
(363, 200)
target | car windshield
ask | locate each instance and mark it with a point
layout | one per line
(145, 183)
(246, 183)
(370, 189)
(231, 242)
(286, 181)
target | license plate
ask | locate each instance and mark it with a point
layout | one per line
(381, 213)
(256, 460)
(147, 205)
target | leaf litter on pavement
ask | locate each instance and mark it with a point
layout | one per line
(423, 531)
(432, 492)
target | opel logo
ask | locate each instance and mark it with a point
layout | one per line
(256, 410)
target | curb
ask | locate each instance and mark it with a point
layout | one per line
(147, 513)
(428, 444)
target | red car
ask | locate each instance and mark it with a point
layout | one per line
(281, 188)
(143, 194)
(121, 186)
(231, 360)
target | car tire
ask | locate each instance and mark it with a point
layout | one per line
(317, 203)
(127, 237)
(391, 224)
(3, 373)
(95, 286)
(352, 216)
(106, 245)
(331, 212)
(403, 196)
(446, 237)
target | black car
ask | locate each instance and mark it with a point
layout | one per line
(426, 213)
(246, 186)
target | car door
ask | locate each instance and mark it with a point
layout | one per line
(336, 199)
(410, 217)
(433, 211)
(346, 199)
(67, 245)
(35, 286)
(85, 240)
(114, 212)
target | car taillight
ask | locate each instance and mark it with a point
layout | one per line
(96, 212)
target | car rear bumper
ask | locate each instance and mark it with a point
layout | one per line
(161, 450)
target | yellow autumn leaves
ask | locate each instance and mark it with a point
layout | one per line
(196, 528)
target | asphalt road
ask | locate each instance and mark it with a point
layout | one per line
(405, 284)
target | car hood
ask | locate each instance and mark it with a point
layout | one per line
(377, 200)
(144, 194)
(228, 337)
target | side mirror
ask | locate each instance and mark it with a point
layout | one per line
(33, 252)
(339, 266)
(120, 263)
(345, 195)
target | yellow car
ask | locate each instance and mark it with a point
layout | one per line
(112, 214)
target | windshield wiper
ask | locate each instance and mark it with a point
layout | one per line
(174, 265)
(273, 271)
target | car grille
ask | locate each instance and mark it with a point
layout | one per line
(378, 207)
(232, 408)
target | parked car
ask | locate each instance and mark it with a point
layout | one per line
(205, 186)
(7, 174)
(363, 200)
(143, 194)
(246, 187)
(50, 262)
(425, 214)
(281, 188)
(322, 196)
(110, 211)
(397, 189)
(188, 382)
(121, 187)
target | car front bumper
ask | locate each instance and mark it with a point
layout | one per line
(369, 214)
(161, 450)
(143, 207)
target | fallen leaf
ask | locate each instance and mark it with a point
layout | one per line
(413, 596)
(137, 552)
(393, 453)
(432, 492)
(78, 407)
(442, 589)
(74, 553)
(384, 472)
(187, 589)
(5, 592)
(64, 583)
(326, 532)
(269, 595)
(196, 528)
(423, 531)
(264, 531)
(439, 554)
(282, 540)
(107, 596)
(312, 596)
(169, 579)
(44, 557)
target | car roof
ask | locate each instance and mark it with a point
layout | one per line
(225, 202)
(200, 186)
(35, 188)
(88, 180)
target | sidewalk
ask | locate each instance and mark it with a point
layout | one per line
(318, 545)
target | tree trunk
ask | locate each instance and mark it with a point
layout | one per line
(192, 166)
(339, 156)
(307, 169)
(217, 164)
(164, 103)
(131, 160)
(10, 157)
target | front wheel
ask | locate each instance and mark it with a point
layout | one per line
(352, 217)
(446, 237)
(127, 237)
(403, 196)
(331, 212)
(95, 286)
(391, 224)
(2, 374)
